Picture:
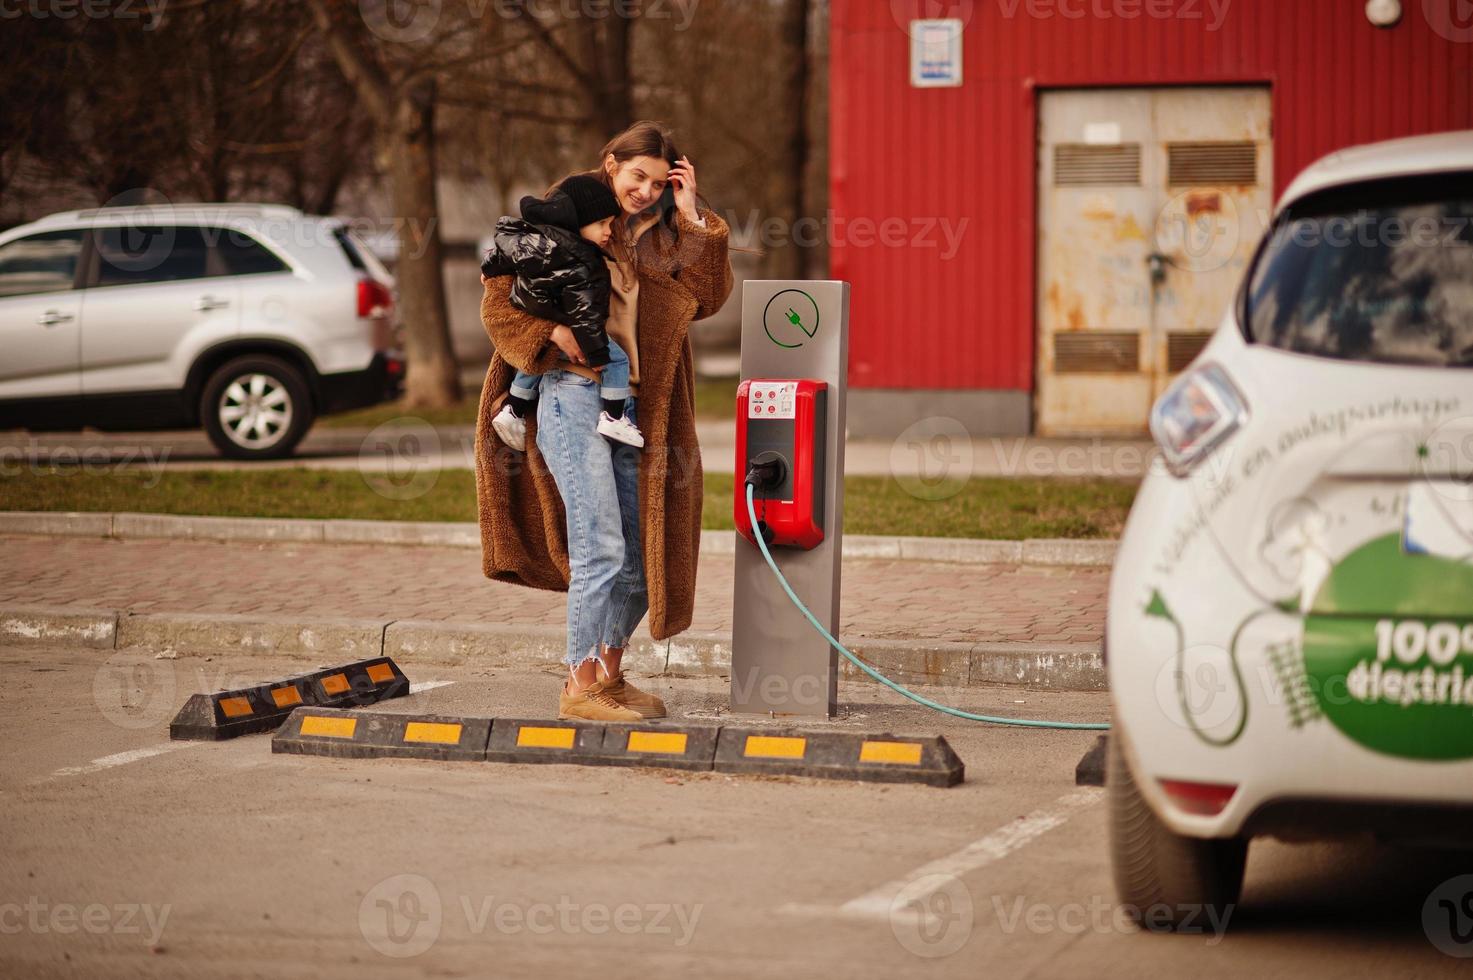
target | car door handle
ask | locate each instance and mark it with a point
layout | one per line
(51, 318)
(210, 303)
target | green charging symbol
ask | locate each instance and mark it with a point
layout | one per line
(782, 314)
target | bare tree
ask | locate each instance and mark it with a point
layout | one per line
(592, 48)
(398, 90)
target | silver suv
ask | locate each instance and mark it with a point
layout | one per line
(247, 320)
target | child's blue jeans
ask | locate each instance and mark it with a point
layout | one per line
(613, 381)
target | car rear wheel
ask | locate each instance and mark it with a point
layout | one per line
(1169, 881)
(256, 407)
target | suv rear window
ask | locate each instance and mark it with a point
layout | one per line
(349, 248)
(1380, 272)
(238, 254)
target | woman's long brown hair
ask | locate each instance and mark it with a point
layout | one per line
(648, 138)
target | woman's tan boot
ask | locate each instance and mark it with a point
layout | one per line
(593, 703)
(618, 687)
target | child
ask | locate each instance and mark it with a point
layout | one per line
(556, 252)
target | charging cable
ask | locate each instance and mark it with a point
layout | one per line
(752, 481)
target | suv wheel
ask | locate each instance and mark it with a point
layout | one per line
(256, 407)
(1167, 878)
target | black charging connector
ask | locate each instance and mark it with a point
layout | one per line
(767, 470)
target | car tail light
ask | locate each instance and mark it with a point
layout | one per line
(1201, 799)
(1198, 413)
(374, 298)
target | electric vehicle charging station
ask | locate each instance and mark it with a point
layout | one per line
(790, 426)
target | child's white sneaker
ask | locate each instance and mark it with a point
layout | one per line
(511, 427)
(620, 430)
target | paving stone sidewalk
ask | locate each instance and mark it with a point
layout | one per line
(882, 600)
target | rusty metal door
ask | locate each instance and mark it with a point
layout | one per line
(1150, 203)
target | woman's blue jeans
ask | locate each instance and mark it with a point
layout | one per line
(613, 379)
(599, 484)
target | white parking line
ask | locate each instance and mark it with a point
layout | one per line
(121, 759)
(419, 687)
(879, 902)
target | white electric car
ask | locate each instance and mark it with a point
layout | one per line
(247, 320)
(1290, 626)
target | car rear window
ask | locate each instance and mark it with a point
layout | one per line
(1379, 272)
(349, 248)
(238, 254)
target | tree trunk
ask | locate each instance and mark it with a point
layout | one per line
(608, 62)
(789, 200)
(433, 378)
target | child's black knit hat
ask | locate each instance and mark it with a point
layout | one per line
(592, 198)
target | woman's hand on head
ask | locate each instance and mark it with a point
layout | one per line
(563, 337)
(683, 176)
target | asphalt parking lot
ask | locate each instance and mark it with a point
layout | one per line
(130, 855)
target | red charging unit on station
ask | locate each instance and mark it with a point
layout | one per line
(781, 432)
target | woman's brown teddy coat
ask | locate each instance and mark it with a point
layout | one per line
(523, 526)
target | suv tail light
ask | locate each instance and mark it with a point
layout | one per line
(1196, 415)
(374, 299)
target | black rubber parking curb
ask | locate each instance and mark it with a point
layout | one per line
(691, 747)
(882, 758)
(1091, 769)
(535, 740)
(374, 734)
(228, 714)
(840, 755)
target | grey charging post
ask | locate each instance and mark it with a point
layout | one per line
(780, 664)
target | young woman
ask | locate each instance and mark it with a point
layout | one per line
(618, 529)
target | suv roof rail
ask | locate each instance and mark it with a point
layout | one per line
(242, 209)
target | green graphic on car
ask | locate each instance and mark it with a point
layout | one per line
(1388, 648)
(1385, 655)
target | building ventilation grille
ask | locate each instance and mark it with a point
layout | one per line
(1183, 348)
(1097, 352)
(1090, 165)
(1211, 164)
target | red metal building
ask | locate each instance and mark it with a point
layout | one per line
(1009, 237)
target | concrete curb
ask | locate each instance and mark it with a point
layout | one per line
(1060, 666)
(969, 551)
